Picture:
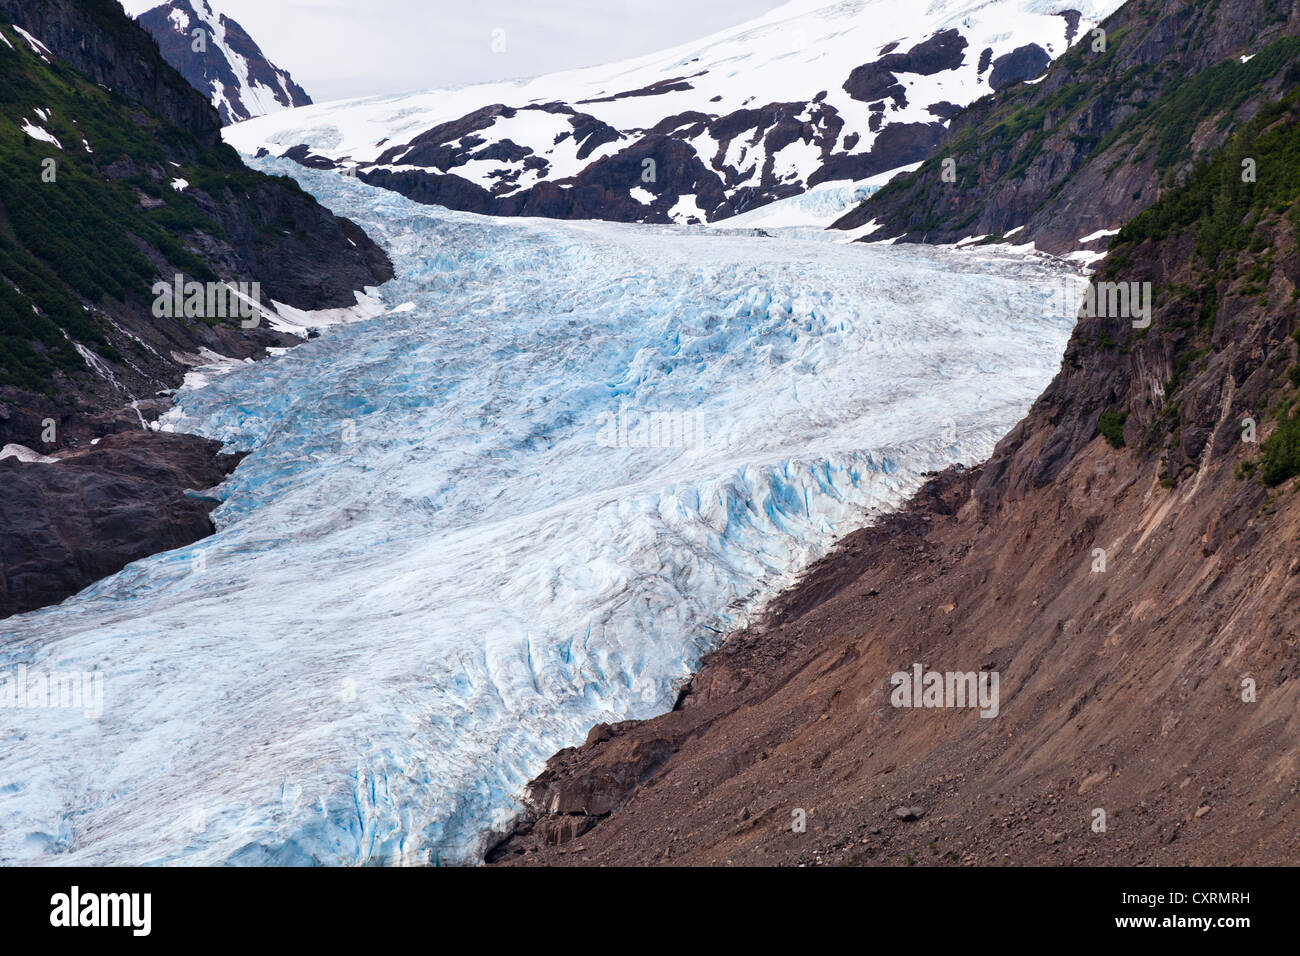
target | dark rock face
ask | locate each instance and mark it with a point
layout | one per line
(874, 81)
(65, 525)
(211, 70)
(592, 134)
(303, 156)
(250, 226)
(98, 40)
(435, 147)
(1072, 18)
(898, 144)
(654, 89)
(943, 51)
(103, 44)
(1022, 63)
(317, 261)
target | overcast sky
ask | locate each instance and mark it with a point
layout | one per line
(343, 48)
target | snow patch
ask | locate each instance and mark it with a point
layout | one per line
(815, 209)
(1099, 234)
(1085, 258)
(25, 454)
(687, 210)
(39, 48)
(298, 321)
(36, 133)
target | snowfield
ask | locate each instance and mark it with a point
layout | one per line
(525, 500)
(762, 111)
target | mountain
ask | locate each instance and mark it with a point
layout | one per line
(811, 93)
(223, 62)
(113, 177)
(1111, 127)
(1125, 562)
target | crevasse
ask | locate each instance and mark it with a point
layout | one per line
(440, 564)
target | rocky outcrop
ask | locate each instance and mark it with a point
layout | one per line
(937, 54)
(87, 515)
(99, 41)
(601, 190)
(899, 141)
(872, 82)
(1022, 63)
(181, 203)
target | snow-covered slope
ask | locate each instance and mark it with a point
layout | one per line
(222, 61)
(522, 503)
(812, 92)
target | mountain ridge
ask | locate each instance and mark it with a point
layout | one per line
(1103, 135)
(811, 93)
(222, 60)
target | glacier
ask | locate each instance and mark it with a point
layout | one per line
(527, 499)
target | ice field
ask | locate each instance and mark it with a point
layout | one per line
(526, 500)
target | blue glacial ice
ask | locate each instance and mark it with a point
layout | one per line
(524, 502)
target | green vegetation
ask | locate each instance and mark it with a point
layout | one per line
(1232, 215)
(1280, 452)
(110, 223)
(1234, 218)
(1222, 204)
(1111, 426)
(80, 239)
(1188, 101)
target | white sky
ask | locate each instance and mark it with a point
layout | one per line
(342, 48)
